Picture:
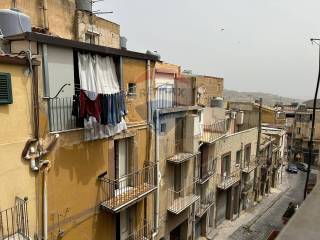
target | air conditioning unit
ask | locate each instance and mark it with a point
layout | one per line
(240, 118)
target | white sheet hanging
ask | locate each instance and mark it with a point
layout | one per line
(98, 74)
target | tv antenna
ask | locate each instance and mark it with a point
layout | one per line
(96, 12)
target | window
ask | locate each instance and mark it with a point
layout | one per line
(132, 89)
(238, 157)
(218, 87)
(225, 164)
(5, 88)
(298, 130)
(247, 152)
(163, 127)
(298, 117)
(91, 38)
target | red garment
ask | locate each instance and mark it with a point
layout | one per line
(88, 107)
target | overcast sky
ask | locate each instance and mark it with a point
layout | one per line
(264, 45)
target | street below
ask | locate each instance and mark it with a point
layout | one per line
(269, 218)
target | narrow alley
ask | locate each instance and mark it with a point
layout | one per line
(267, 216)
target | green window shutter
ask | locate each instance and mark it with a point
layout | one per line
(5, 88)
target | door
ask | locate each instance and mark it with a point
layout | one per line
(221, 209)
(247, 154)
(122, 167)
(124, 224)
(179, 135)
(211, 219)
(204, 162)
(175, 233)
(198, 230)
(225, 166)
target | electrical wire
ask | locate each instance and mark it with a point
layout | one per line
(312, 129)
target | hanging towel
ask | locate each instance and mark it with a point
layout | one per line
(90, 106)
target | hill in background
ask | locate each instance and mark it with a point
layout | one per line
(268, 98)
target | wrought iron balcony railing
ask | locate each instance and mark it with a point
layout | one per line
(228, 179)
(207, 169)
(60, 115)
(211, 132)
(168, 96)
(142, 233)
(182, 199)
(14, 223)
(249, 164)
(203, 204)
(128, 189)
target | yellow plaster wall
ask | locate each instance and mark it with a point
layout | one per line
(16, 178)
(135, 71)
(74, 190)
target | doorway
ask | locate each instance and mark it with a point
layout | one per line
(179, 127)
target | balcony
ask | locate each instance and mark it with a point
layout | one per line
(178, 201)
(168, 96)
(211, 132)
(203, 204)
(142, 233)
(14, 222)
(207, 170)
(249, 165)
(127, 190)
(176, 154)
(227, 180)
(60, 115)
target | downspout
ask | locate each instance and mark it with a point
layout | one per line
(240, 186)
(157, 194)
(45, 14)
(45, 200)
(149, 91)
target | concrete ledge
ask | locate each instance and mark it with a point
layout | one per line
(179, 109)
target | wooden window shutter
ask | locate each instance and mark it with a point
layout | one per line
(5, 89)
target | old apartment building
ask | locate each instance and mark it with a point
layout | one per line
(109, 143)
(48, 16)
(301, 135)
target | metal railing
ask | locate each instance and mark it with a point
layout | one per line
(60, 115)
(180, 200)
(207, 168)
(14, 223)
(210, 132)
(142, 233)
(125, 189)
(203, 204)
(170, 97)
(227, 180)
(249, 164)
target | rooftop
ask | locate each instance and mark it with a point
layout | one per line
(62, 42)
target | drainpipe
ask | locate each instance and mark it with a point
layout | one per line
(45, 14)
(149, 91)
(45, 199)
(240, 185)
(157, 210)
